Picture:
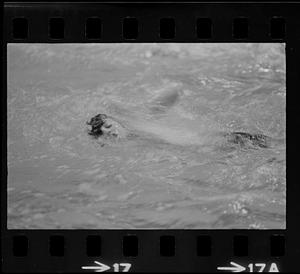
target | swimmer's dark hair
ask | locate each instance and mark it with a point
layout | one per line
(97, 122)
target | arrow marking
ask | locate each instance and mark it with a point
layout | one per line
(99, 268)
(234, 268)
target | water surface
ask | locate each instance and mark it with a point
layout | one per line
(177, 171)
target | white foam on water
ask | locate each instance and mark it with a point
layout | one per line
(174, 129)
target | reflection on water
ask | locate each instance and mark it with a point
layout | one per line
(172, 166)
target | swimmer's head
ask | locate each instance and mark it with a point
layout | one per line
(98, 119)
(101, 116)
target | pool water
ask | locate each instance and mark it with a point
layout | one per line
(172, 168)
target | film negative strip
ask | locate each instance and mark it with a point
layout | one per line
(150, 137)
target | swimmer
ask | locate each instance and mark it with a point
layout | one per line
(98, 123)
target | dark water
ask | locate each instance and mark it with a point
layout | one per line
(177, 171)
